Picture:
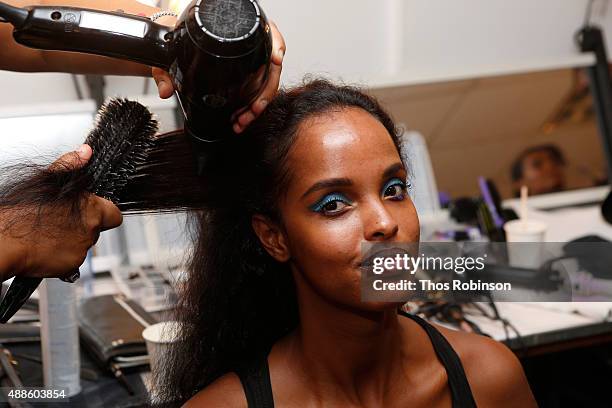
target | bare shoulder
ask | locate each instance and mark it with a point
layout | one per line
(495, 374)
(225, 392)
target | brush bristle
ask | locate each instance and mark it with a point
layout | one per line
(121, 140)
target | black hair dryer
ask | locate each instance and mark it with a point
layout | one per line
(217, 54)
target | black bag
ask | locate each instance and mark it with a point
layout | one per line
(110, 327)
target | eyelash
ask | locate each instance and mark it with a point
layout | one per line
(396, 182)
(336, 197)
(328, 199)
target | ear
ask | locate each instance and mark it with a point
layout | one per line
(271, 236)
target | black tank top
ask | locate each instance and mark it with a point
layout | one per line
(255, 377)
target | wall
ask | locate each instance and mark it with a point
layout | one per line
(475, 37)
(409, 41)
(20, 88)
(392, 42)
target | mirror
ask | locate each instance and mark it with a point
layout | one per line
(542, 124)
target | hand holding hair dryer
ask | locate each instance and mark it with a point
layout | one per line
(218, 53)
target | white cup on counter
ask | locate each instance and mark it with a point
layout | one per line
(159, 338)
(524, 240)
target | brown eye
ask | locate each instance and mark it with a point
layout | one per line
(333, 207)
(331, 204)
(395, 189)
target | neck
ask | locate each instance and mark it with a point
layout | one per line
(352, 350)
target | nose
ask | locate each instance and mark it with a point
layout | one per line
(379, 224)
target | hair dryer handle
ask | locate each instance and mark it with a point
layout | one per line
(96, 32)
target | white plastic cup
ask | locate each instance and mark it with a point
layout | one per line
(525, 231)
(159, 337)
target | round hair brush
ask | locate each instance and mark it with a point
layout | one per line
(121, 140)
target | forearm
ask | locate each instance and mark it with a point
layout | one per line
(15, 57)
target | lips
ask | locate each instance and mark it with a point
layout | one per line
(368, 260)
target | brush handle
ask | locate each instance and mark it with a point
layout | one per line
(105, 33)
(17, 294)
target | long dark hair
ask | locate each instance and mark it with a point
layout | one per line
(237, 300)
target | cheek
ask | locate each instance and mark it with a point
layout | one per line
(408, 222)
(325, 252)
(324, 242)
(318, 240)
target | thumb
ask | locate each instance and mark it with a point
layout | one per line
(73, 160)
(163, 81)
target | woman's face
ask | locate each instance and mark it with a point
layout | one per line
(347, 186)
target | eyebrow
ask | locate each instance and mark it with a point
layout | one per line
(345, 182)
(392, 169)
(323, 184)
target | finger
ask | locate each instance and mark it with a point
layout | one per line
(274, 73)
(73, 160)
(269, 91)
(111, 215)
(278, 45)
(237, 128)
(92, 217)
(163, 81)
(246, 118)
(262, 101)
(100, 215)
(243, 121)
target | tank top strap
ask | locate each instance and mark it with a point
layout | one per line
(461, 393)
(255, 376)
(255, 379)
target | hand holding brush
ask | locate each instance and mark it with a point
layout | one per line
(26, 254)
(64, 219)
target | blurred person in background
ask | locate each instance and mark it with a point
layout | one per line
(541, 168)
